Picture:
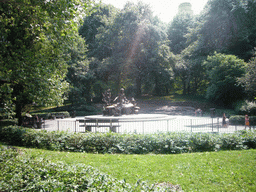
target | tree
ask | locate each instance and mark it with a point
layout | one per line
(248, 80)
(190, 75)
(35, 38)
(177, 31)
(244, 42)
(77, 76)
(138, 49)
(226, 27)
(223, 71)
(101, 16)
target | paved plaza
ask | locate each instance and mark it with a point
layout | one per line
(146, 123)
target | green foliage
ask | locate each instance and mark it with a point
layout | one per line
(223, 71)
(35, 39)
(226, 27)
(177, 31)
(232, 142)
(248, 108)
(202, 142)
(101, 16)
(78, 76)
(20, 172)
(50, 115)
(248, 80)
(243, 37)
(130, 50)
(240, 120)
(12, 134)
(168, 143)
(7, 122)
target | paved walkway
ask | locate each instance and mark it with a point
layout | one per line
(148, 123)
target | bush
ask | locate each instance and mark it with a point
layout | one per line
(50, 115)
(249, 139)
(7, 122)
(22, 173)
(231, 142)
(162, 143)
(248, 108)
(202, 142)
(239, 120)
(84, 113)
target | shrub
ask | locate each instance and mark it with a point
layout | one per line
(162, 143)
(239, 120)
(84, 113)
(22, 173)
(7, 122)
(12, 134)
(248, 108)
(202, 142)
(249, 139)
(49, 115)
(231, 142)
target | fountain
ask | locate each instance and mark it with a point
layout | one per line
(116, 111)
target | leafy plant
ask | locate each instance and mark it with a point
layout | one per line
(162, 143)
(23, 173)
(239, 120)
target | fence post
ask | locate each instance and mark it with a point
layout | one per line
(167, 125)
(111, 125)
(191, 125)
(97, 125)
(212, 124)
(58, 125)
(84, 125)
(218, 124)
(143, 127)
(75, 126)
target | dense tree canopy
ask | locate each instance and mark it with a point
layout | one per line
(101, 17)
(249, 79)
(44, 52)
(35, 38)
(223, 71)
(177, 31)
(225, 26)
(132, 49)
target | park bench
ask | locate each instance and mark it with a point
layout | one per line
(33, 122)
(112, 124)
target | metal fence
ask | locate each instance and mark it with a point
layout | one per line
(171, 124)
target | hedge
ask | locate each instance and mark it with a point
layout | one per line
(162, 143)
(50, 115)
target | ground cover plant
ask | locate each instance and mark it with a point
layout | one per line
(207, 171)
(21, 172)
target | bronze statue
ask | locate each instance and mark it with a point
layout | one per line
(121, 105)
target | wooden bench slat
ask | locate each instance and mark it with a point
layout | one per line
(98, 123)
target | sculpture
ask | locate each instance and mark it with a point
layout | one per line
(121, 105)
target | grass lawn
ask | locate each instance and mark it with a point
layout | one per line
(209, 171)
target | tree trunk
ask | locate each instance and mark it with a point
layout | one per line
(138, 86)
(18, 111)
(166, 90)
(18, 94)
(184, 87)
(157, 87)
